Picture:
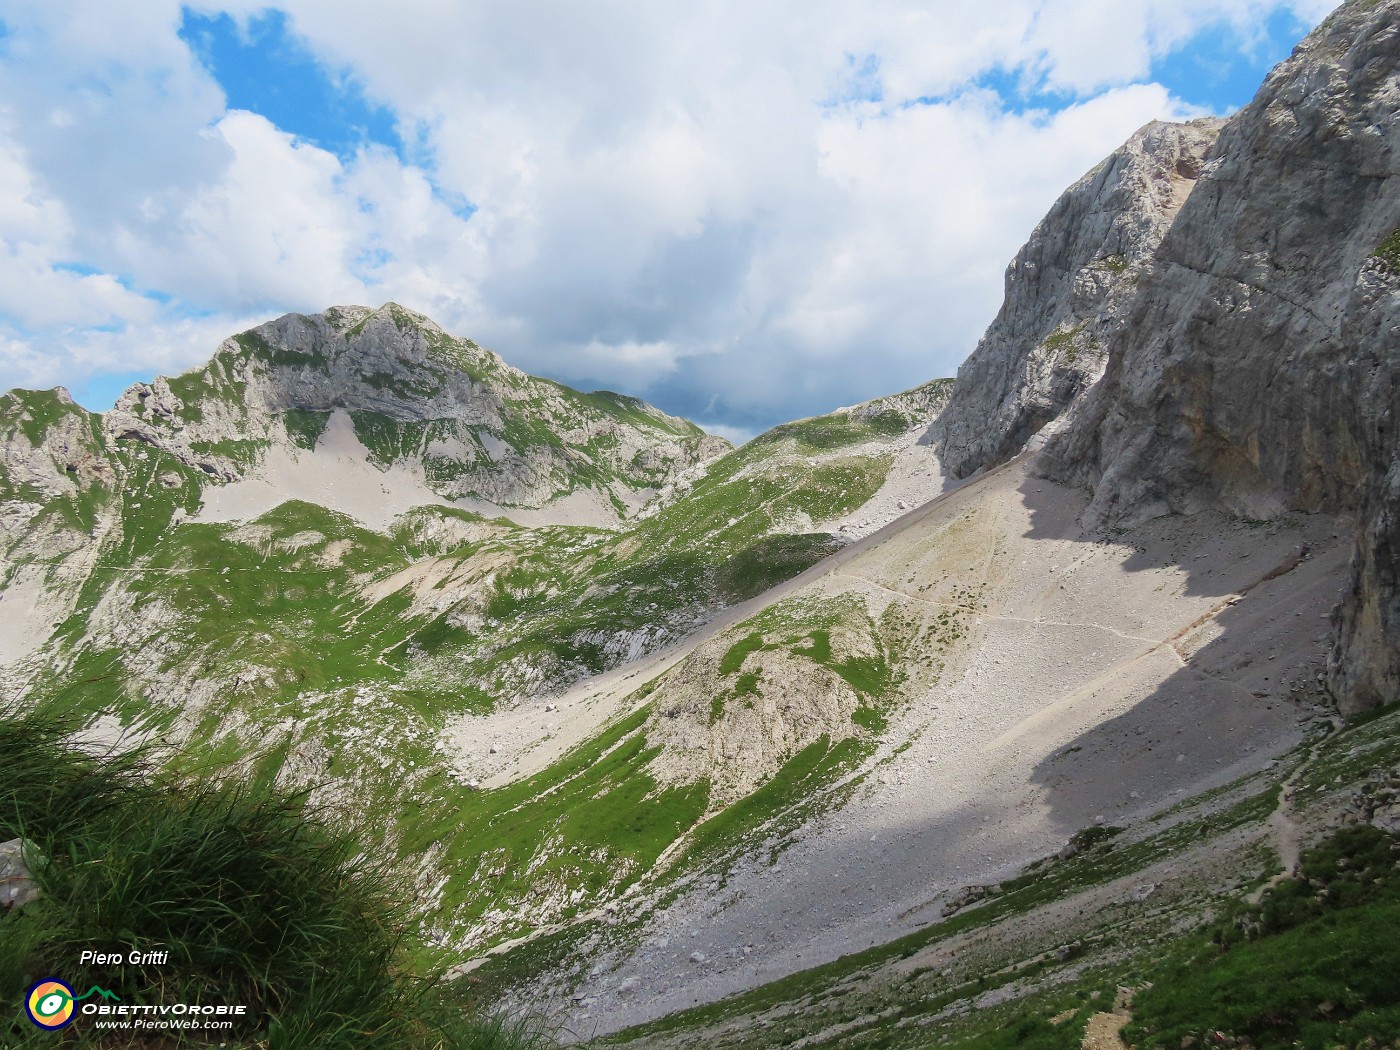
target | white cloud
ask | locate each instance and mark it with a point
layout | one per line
(734, 207)
(164, 345)
(1083, 45)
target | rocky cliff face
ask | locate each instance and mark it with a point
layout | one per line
(1258, 366)
(57, 488)
(1068, 294)
(457, 415)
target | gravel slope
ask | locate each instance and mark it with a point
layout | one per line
(1102, 679)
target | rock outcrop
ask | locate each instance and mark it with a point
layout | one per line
(57, 502)
(919, 406)
(19, 860)
(1068, 294)
(1258, 368)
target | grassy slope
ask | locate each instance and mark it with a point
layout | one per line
(253, 899)
(1313, 965)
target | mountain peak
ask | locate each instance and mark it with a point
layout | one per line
(453, 416)
(1068, 291)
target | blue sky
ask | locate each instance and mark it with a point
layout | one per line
(743, 215)
(265, 68)
(1219, 71)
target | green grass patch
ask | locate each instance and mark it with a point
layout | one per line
(870, 676)
(1314, 966)
(1388, 251)
(716, 708)
(734, 657)
(818, 648)
(1062, 340)
(769, 562)
(246, 452)
(215, 381)
(890, 423)
(256, 901)
(838, 430)
(304, 427)
(870, 718)
(798, 782)
(1369, 743)
(148, 506)
(386, 438)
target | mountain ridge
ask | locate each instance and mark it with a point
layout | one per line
(476, 427)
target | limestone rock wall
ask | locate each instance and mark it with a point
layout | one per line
(1068, 293)
(1258, 369)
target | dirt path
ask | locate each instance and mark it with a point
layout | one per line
(1285, 833)
(1104, 1029)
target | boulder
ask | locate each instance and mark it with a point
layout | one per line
(19, 859)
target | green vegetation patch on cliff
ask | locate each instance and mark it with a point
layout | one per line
(219, 380)
(1063, 340)
(257, 348)
(35, 412)
(1388, 251)
(305, 427)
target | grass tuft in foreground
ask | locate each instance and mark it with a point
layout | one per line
(256, 901)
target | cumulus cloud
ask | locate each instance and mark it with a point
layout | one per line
(744, 212)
